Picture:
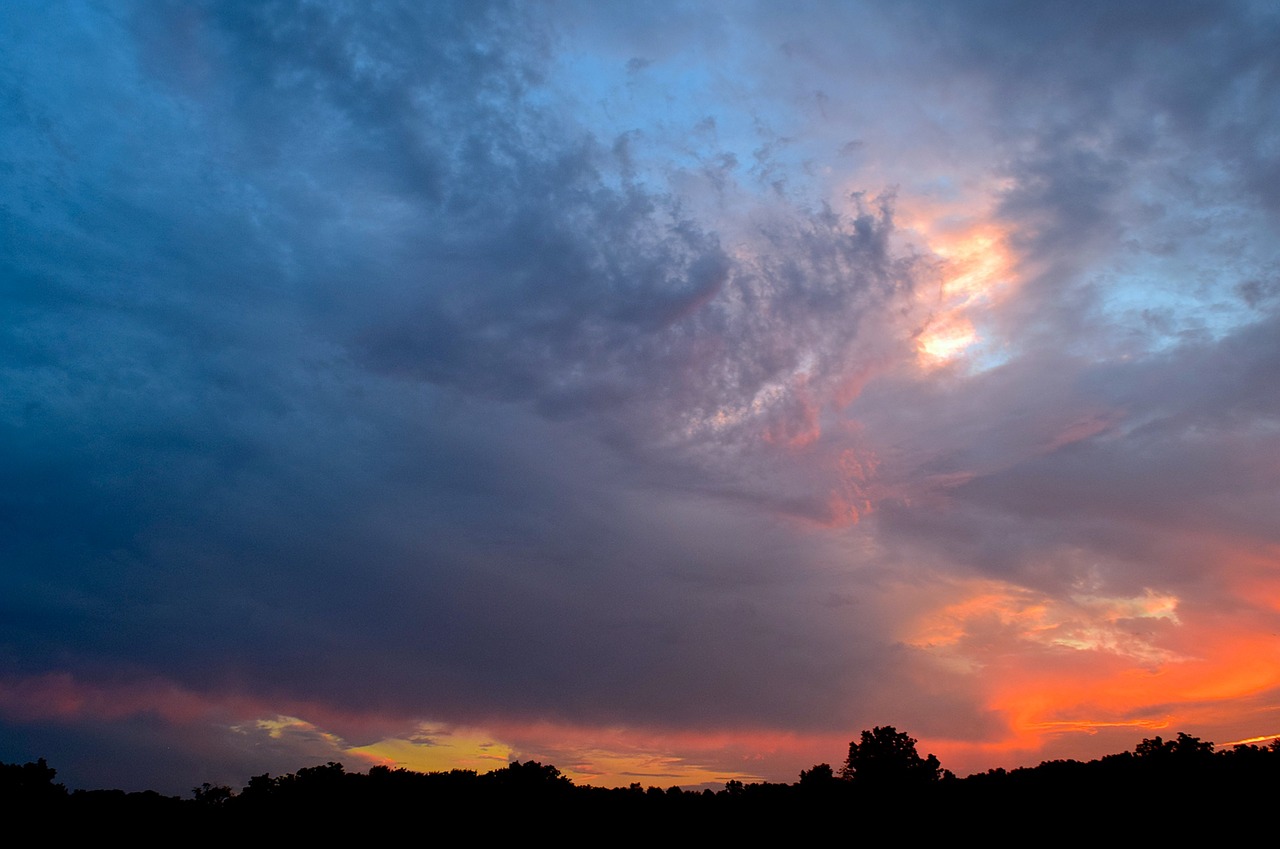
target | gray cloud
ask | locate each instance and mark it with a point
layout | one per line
(362, 360)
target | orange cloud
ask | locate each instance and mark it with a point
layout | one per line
(1059, 671)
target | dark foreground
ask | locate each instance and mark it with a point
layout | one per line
(1177, 788)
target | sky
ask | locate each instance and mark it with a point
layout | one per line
(663, 391)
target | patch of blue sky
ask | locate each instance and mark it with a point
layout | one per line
(678, 116)
(1156, 309)
(1186, 263)
(990, 350)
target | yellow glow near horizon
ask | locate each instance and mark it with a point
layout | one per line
(604, 757)
(440, 751)
(1249, 741)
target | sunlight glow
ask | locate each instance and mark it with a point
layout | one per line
(437, 750)
(1084, 622)
(976, 268)
(605, 757)
(1061, 670)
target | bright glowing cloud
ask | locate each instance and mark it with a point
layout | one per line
(995, 611)
(976, 272)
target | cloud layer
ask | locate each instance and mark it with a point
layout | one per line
(656, 394)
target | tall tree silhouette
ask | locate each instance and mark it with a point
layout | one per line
(886, 756)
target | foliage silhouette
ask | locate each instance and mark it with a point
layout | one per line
(212, 795)
(30, 783)
(888, 757)
(885, 776)
(1183, 749)
(820, 775)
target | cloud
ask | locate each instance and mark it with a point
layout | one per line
(478, 364)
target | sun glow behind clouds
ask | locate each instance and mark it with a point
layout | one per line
(991, 611)
(439, 750)
(603, 757)
(976, 271)
(945, 338)
(1060, 671)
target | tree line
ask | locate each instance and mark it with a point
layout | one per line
(882, 776)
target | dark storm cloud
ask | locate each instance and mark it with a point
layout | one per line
(241, 437)
(392, 363)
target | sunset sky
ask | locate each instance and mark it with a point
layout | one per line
(664, 391)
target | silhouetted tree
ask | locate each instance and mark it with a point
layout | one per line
(1184, 749)
(886, 756)
(821, 775)
(29, 782)
(211, 795)
(261, 787)
(529, 777)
